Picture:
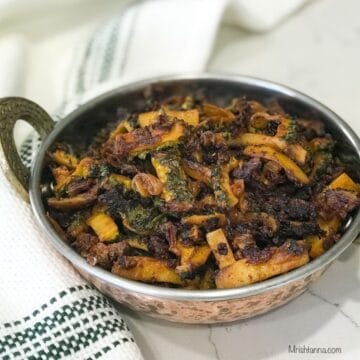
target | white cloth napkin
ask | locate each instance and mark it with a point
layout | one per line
(47, 311)
(255, 15)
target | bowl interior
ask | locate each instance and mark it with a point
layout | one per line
(79, 127)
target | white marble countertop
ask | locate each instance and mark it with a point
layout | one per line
(317, 51)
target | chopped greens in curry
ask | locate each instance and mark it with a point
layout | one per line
(196, 196)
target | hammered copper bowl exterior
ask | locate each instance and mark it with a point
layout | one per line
(181, 305)
(206, 312)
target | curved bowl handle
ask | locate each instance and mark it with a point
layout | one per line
(11, 110)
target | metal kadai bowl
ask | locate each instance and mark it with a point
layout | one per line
(179, 305)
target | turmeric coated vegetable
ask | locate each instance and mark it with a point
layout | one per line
(170, 173)
(191, 117)
(291, 169)
(297, 153)
(221, 184)
(147, 269)
(317, 242)
(294, 151)
(117, 179)
(83, 167)
(63, 158)
(247, 139)
(192, 257)
(220, 247)
(344, 181)
(241, 272)
(104, 226)
(61, 176)
(203, 219)
(137, 243)
(218, 114)
(140, 141)
(123, 127)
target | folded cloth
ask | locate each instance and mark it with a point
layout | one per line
(260, 15)
(255, 15)
(47, 310)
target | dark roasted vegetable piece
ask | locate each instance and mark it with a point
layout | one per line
(266, 223)
(321, 162)
(191, 117)
(105, 254)
(318, 243)
(208, 280)
(84, 242)
(62, 177)
(123, 127)
(169, 231)
(344, 181)
(294, 151)
(297, 153)
(215, 113)
(104, 226)
(116, 179)
(191, 234)
(311, 127)
(220, 247)
(192, 257)
(83, 168)
(137, 243)
(197, 171)
(73, 203)
(293, 171)
(220, 179)
(98, 171)
(321, 144)
(63, 158)
(260, 119)
(287, 129)
(142, 140)
(273, 173)
(147, 269)
(321, 148)
(78, 186)
(298, 229)
(242, 273)
(336, 203)
(141, 220)
(201, 220)
(77, 226)
(258, 139)
(171, 174)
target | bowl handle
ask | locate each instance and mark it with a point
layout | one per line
(11, 110)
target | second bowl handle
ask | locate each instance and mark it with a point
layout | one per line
(13, 109)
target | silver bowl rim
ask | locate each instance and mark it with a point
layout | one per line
(90, 100)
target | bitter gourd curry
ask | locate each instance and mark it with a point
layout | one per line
(191, 195)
